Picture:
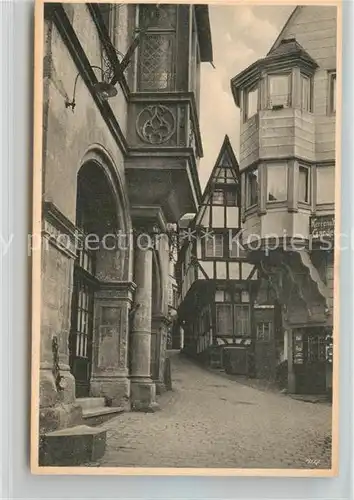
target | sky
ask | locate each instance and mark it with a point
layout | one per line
(241, 34)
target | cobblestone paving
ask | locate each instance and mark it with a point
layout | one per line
(210, 421)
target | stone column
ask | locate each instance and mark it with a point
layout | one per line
(143, 391)
(159, 328)
(110, 349)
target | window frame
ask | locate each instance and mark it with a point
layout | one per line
(224, 236)
(110, 19)
(232, 305)
(286, 168)
(249, 198)
(272, 106)
(195, 60)
(219, 202)
(332, 92)
(226, 193)
(244, 307)
(170, 33)
(306, 168)
(309, 107)
(229, 307)
(322, 167)
(247, 92)
(241, 255)
(231, 193)
(220, 235)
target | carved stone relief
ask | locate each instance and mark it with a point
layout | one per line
(155, 124)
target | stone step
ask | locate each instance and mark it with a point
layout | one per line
(98, 415)
(90, 403)
(72, 446)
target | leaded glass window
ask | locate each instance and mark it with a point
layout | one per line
(156, 63)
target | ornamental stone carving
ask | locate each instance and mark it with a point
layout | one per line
(155, 124)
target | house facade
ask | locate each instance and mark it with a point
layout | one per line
(228, 318)
(287, 104)
(121, 145)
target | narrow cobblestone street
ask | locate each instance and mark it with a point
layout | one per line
(210, 421)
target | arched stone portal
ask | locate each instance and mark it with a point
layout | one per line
(102, 294)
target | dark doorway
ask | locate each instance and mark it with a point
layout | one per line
(95, 216)
(309, 358)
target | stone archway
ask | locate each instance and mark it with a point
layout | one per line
(102, 294)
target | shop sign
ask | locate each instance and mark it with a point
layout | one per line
(322, 227)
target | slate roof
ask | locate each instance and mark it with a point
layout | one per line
(288, 47)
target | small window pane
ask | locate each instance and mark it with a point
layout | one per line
(156, 62)
(209, 247)
(305, 93)
(219, 245)
(224, 319)
(218, 197)
(214, 246)
(219, 296)
(237, 250)
(251, 104)
(277, 182)
(231, 198)
(241, 320)
(252, 188)
(325, 184)
(304, 185)
(333, 92)
(279, 90)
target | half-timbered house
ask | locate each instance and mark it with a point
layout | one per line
(218, 285)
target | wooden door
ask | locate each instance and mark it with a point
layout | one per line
(309, 348)
(264, 348)
(81, 333)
